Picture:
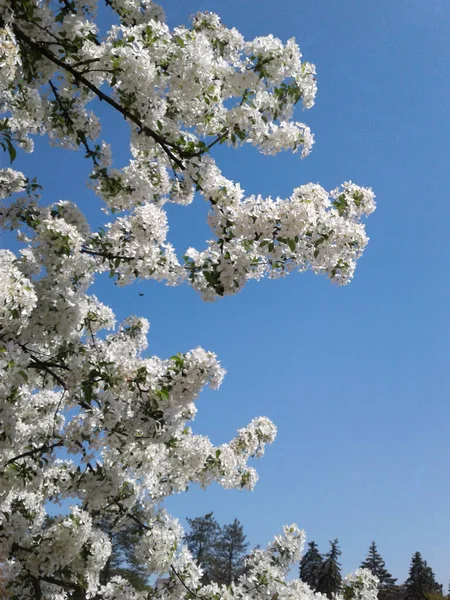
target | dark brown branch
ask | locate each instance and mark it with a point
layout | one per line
(42, 366)
(218, 139)
(184, 584)
(68, 585)
(55, 414)
(106, 255)
(41, 450)
(86, 61)
(131, 516)
(37, 588)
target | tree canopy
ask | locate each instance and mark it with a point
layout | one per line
(421, 581)
(86, 416)
(202, 542)
(311, 566)
(330, 579)
(375, 563)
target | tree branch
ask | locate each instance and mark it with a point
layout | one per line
(186, 587)
(36, 45)
(131, 516)
(37, 364)
(68, 585)
(41, 449)
(105, 254)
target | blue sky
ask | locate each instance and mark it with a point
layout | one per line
(355, 378)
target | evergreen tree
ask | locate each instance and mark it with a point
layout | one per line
(330, 574)
(421, 581)
(375, 563)
(231, 549)
(202, 542)
(311, 565)
(123, 560)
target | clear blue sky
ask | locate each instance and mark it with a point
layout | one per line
(355, 378)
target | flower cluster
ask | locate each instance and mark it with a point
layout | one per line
(182, 91)
(86, 416)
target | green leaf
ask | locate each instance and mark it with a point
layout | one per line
(11, 151)
(163, 393)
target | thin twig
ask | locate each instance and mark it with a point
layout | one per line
(105, 254)
(70, 122)
(185, 585)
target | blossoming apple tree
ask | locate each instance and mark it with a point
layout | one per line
(85, 416)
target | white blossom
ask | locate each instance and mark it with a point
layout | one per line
(88, 417)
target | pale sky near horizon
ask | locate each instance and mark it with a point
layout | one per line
(355, 378)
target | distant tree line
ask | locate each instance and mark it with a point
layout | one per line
(322, 572)
(221, 552)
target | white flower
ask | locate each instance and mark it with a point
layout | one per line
(11, 182)
(67, 389)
